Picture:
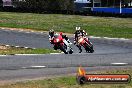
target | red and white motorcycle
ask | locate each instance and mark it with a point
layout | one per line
(85, 42)
(59, 43)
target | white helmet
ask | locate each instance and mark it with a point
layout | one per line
(78, 28)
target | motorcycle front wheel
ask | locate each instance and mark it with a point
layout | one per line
(71, 51)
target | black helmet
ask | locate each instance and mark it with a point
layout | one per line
(51, 32)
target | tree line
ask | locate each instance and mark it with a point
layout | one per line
(53, 6)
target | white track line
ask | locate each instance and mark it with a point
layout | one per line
(34, 67)
(3, 55)
(17, 46)
(35, 54)
(55, 53)
(37, 66)
(123, 39)
(28, 32)
(93, 37)
(31, 54)
(26, 47)
(7, 45)
(119, 63)
(108, 38)
(28, 54)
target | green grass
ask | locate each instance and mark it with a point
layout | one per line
(26, 51)
(69, 82)
(96, 26)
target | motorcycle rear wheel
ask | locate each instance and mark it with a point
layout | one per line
(89, 49)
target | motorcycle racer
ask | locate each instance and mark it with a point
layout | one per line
(66, 39)
(79, 32)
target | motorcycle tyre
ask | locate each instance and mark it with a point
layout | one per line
(71, 51)
(89, 49)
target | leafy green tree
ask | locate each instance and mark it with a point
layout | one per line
(46, 5)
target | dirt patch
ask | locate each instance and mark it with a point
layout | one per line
(3, 47)
(17, 29)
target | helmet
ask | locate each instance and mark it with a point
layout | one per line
(77, 28)
(61, 33)
(51, 32)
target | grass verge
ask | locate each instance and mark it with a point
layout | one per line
(96, 26)
(70, 82)
(9, 50)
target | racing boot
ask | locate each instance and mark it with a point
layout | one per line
(80, 50)
(55, 48)
(79, 47)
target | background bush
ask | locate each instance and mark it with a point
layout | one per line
(42, 6)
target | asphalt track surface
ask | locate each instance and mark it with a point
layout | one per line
(18, 67)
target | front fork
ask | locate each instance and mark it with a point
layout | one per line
(88, 41)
